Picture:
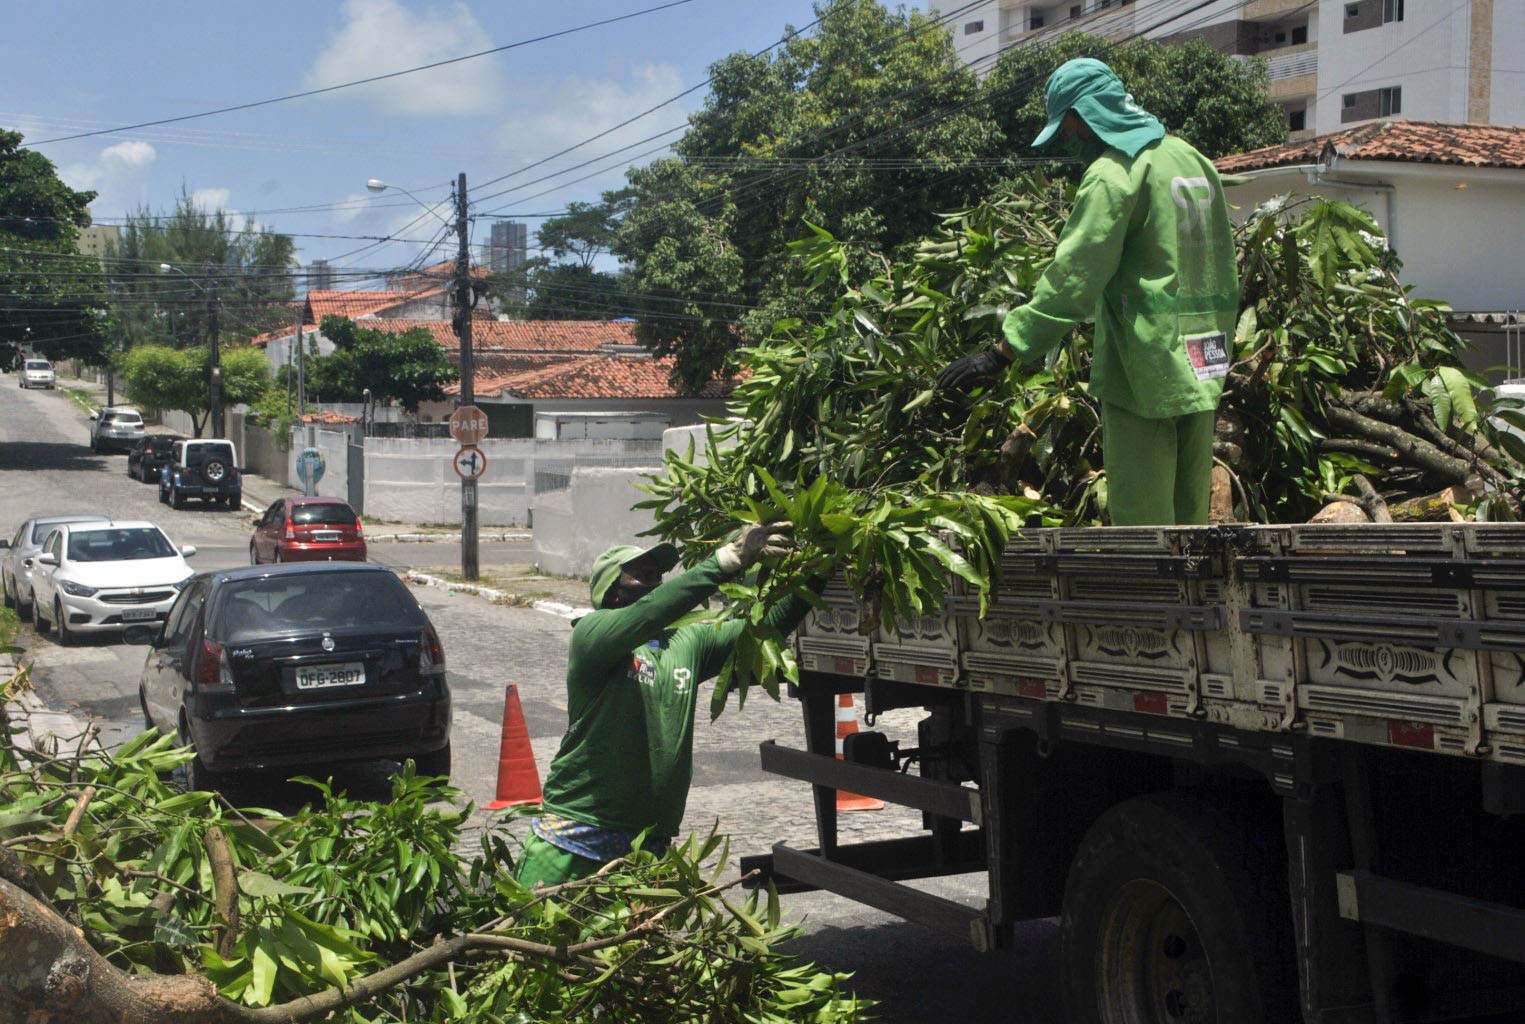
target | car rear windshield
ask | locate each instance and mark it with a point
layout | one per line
(299, 602)
(335, 512)
(124, 417)
(119, 545)
(201, 452)
(38, 364)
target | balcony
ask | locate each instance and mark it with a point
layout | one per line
(1293, 65)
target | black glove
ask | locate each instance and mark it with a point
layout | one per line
(976, 368)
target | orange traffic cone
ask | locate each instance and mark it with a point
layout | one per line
(518, 778)
(847, 724)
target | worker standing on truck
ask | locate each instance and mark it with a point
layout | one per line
(1148, 253)
(626, 761)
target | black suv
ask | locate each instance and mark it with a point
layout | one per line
(202, 469)
(148, 457)
(291, 666)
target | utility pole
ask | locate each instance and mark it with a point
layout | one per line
(301, 368)
(216, 382)
(468, 373)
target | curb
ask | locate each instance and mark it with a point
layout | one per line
(556, 608)
(444, 538)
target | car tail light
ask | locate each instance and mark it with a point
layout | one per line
(431, 660)
(358, 530)
(213, 673)
(291, 530)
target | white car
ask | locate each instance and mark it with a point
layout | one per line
(115, 430)
(38, 373)
(103, 577)
(19, 563)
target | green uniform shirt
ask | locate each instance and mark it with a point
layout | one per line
(1148, 252)
(627, 758)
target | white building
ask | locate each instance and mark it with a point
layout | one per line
(1332, 62)
(1450, 197)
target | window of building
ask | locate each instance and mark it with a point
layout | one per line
(1350, 100)
(1100, 4)
(1299, 35)
(1352, 11)
(972, 27)
(1075, 10)
(1035, 20)
(1296, 120)
(1390, 101)
(1392, 10)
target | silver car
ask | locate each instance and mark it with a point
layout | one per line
(18, 557)
(115, 430)
(37, 373)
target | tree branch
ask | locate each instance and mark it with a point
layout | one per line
(1417, 450)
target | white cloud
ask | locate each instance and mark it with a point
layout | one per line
(577, 108)
(121, 164)
(381, 36)
(132, 153)
(212, 199)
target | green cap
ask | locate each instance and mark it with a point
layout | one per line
(1093, 90)
(608, 566)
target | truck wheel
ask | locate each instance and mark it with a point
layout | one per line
(1175, 914)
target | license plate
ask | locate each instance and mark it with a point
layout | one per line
(324, 536)
(321, 677)
(138, 614)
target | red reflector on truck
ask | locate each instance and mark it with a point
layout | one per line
(926, 674)
(845, 667)
(1410, 734)
(1150, 703)
(1034, 688)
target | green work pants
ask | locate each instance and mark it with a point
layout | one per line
(546, 864)
(1159, 471)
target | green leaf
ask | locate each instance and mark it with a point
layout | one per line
(262, 886)
(262, 983)
(1463, 408)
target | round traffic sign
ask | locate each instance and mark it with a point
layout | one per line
(470, 462)
(310, 466)
(468, 425)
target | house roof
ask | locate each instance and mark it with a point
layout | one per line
(329, 416)
(601, 376)
(571, 336)
(356, 305)
(1430, 142)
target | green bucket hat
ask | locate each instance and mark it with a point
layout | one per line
(608, 566)
(1093, 90)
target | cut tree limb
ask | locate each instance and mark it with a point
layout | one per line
(224, 889)
(1371, 501)
(1417, 450)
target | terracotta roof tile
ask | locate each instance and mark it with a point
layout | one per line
(329, 416)
(601, 376)
(360, 304)
(586, 336)
(1433, 142)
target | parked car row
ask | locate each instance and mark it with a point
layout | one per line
(92, 574)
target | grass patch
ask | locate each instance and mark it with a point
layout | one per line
(10, 624)
(81, 398)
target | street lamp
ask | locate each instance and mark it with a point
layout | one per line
(214, 387)
(468, 367)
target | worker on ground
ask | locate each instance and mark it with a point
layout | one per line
(1148, 253)
(626, 762)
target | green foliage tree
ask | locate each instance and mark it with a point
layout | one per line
(870, 128)
(160, 377)
(409, 366)
(53, 296)
(1218, 103)
(248, 269)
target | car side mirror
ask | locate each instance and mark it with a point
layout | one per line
(188, 551)
(47, 558)
(95, 415)
(141, 636)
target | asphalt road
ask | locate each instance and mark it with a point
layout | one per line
(916, 975)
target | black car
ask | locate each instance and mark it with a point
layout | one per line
(285, 666)
(146, 459)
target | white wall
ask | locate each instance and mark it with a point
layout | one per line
(584, 425)
(1460, 245)
(1506, 105)
(573, 526)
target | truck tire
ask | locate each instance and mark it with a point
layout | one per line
(1175, 913)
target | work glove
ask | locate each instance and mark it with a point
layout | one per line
(976, 368)
(753, 544)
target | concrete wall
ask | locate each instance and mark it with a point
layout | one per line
(574, 525)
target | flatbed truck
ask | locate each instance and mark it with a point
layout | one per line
(1260, 773)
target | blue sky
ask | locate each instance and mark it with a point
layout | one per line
(69, 66)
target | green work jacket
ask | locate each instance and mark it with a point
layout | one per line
(1148, 252)
(632, 683)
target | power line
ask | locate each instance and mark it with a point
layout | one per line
(365, 81)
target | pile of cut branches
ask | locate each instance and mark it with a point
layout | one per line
(1344, 388)
(124, 900)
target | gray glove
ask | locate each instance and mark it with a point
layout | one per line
(754, 543)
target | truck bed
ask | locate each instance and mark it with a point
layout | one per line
(1408, 636)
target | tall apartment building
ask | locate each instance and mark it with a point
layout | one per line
(320, 276)
(506, 250)
(1332, 62)
(94, 239)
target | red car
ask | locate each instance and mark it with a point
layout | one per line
(307, 530)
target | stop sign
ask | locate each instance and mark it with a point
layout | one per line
(468, 424)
